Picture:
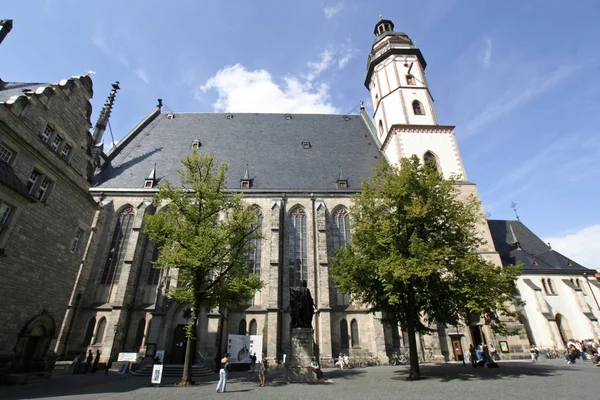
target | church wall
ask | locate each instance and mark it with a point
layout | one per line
(440, 143)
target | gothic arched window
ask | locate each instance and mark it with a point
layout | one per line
(100, 331)
(341, 227)
(354, 333)
(153, 273)
(380, 128)
(242, 327)
(418, 108)
(89, 332)
(253, 327)
(253, 257)
(344, 343)
(118, 246)
(430, 160)
(298, 247)
(341, 236)
(545, 286)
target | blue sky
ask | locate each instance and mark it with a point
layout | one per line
(518, 79)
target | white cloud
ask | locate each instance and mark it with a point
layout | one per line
(581, 246)
(315, 68)
(141, 73)
(241, 90)
(487, 55)
(331, 11)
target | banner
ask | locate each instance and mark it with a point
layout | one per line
(157, 371)
(240, 347)
(131, 357)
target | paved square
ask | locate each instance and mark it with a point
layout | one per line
(548, 379)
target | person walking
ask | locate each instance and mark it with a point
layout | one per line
(252, 363)
(223, 374)
(262, 370)
(96, 362)
(473, 354)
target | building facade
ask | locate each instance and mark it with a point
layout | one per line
(560, 295)
(46, 212)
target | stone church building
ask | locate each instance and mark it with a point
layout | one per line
(298, 170)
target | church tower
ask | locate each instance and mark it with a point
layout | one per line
(403, 110)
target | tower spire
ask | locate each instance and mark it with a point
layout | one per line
(97, 142)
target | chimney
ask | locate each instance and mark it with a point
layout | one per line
(5, 27)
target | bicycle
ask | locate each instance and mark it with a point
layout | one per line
(398, 359)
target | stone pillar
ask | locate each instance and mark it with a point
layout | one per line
(300, 355)
(271, 342)
(379, 338)
(325, 355)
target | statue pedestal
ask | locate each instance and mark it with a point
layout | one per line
(300, 356)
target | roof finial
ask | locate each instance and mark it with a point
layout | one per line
(105, 114)
(97, 142)
(159, 103)
(380, 16)
(513, 205)
(550, 247)
(362, 104)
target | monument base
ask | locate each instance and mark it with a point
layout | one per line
(300, 356)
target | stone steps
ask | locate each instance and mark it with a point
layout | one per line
(173, 370)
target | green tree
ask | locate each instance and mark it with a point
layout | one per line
(204, 232)
(413, 254)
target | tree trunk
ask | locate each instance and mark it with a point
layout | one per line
(186, 378)
(411, 322)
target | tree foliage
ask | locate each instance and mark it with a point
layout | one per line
(204, 232)
(413, 254)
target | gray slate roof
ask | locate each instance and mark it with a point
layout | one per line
(9, 89)
(529, 249)
(269, 144)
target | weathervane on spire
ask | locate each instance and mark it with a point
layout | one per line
(513, 205)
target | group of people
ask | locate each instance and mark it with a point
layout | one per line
(261, 366)
(482, 356)
(343, 361)
(83, 365)
(576, 349)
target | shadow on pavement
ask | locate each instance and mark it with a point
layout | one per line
(457, 372)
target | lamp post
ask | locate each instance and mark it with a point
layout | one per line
(112, 347)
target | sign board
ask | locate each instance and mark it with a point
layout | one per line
(123, 367)
(157, 372)
(240, 347)
(131, 357)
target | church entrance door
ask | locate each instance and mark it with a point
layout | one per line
(179, 345)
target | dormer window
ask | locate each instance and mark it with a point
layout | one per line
(245, 183)
(342, 184)
(288, 116)
(149, 183)
(170, 116)
(229, 116)
(196, 144)
(306, 144)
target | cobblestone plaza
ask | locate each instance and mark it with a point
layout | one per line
(548, 379)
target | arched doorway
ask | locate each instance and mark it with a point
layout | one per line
(33, 343)
(563, 328)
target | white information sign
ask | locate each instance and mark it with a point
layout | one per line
(240, 347)
(157, 371)
(131, 357)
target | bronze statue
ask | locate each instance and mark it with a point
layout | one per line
(302, 307)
